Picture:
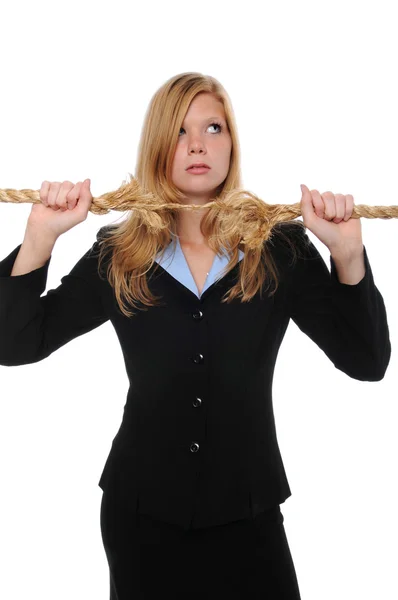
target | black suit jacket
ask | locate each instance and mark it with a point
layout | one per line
(197, 445)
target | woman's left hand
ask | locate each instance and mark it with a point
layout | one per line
(328, 216)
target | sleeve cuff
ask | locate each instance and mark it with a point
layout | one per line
(35, 280)
(347, 288)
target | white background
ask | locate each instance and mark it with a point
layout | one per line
(313, 86)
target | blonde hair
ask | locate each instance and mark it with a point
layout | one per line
(134, 246)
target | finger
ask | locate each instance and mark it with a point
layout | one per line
(45, 187)
(340, 204)
(53, 194)
(73, 195)
(66, 187)
(349, 207)
(330, 206)
(318, 203)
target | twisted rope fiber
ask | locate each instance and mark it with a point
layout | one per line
(240, 212)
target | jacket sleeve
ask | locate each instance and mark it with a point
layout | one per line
(348, 322)
(33, 327)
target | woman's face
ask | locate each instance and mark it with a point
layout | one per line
(203, 137)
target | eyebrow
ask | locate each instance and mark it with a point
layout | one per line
(210, 118)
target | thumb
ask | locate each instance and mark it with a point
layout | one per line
(86, 189)
(307, 209)
(85, 196)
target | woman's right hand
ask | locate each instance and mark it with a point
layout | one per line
(62, 206)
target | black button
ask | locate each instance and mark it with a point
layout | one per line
(194, 447)
(197, 402)
(198, 358)
(197, 315)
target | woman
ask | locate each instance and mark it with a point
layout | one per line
(194, 480)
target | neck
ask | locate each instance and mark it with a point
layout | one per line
(188, 226)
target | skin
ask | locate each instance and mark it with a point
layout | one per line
(200, 141)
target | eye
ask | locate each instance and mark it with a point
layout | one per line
(211, 125)
(217, 125)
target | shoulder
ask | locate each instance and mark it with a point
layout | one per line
(288, 238)
(100, 246)
(101, 237)
(105, 231)
(290, 249)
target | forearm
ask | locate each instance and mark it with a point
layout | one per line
(350, 268)
(33, 254)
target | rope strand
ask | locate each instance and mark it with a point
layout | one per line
(240, 212)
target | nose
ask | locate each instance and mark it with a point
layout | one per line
(196, 145)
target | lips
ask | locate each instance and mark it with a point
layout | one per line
(198, 170)
(198, 165)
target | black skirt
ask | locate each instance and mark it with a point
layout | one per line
(151, 559)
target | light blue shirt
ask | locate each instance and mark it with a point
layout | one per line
(176, 264)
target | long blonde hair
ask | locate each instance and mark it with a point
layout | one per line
(133, 247)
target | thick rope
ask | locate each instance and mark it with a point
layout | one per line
(240, 212)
